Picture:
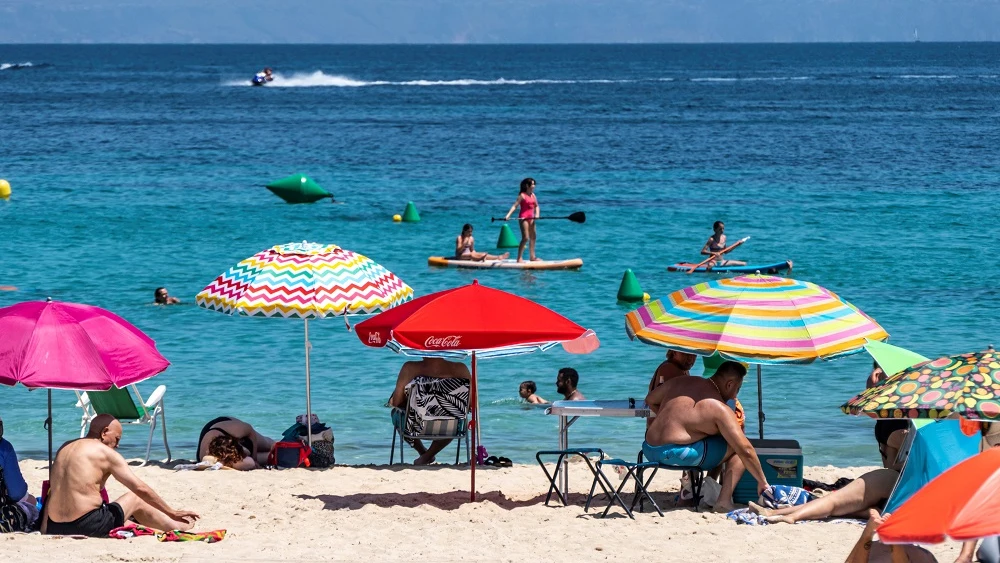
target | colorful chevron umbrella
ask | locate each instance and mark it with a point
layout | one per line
(967, 385)
(305, 280)
(755, 319)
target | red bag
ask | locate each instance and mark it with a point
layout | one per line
(289, 454)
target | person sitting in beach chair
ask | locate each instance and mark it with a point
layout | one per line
(17, 506)
(889, 434)
(417, 399)
(74, 505)
(694, 427)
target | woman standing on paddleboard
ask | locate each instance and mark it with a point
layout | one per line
(716, 244)
(529, 212)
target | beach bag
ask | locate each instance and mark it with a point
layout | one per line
(289, 454)
(12, 518)
(322, 454)
(710, 489)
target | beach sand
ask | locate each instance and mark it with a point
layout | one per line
(402, 513)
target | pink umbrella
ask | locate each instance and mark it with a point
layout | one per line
(53, 345)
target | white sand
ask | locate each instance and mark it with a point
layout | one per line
(404, 513)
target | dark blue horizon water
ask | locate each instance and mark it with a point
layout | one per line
(872, 166)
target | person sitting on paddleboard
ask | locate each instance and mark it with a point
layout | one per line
(527, 216)
(465, 247)
(715, 245)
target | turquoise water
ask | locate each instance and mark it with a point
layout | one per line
(873, 167)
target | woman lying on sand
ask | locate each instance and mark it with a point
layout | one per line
(235, 443)
(871, 490)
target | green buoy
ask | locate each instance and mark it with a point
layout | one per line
(411, 215)
(507, 238)
(629, 289)
(298, 188)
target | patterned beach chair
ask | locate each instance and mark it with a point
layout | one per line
(436, 409)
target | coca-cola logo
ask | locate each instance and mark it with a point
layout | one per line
(443, 342)
(374, 338)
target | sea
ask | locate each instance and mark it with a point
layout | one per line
(873, 167)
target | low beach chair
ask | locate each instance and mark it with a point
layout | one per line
(119, 404)
(436, 409)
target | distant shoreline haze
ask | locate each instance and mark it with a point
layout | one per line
(495, 21)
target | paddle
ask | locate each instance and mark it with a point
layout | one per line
(718, 254)
(578, 217)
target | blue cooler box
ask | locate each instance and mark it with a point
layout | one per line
(782, 463)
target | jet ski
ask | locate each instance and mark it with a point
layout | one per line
(262, 77)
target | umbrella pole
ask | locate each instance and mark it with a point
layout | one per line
(309, 437)
(475, 423)
(48, 426)
(760, 404)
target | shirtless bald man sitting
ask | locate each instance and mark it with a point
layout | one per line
(74, 505)
(695, 427)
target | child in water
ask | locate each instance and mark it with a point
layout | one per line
(527, 392)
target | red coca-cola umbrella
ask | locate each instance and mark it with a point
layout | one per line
(473, 321)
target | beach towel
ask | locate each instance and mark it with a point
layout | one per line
(130, 530)
(744, 516)
(436, 404)
(177, 535)
(200, 466)
(780, 496)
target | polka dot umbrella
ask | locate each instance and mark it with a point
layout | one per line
(967, 385)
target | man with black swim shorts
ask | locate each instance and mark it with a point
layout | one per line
(694, 427)
(74, 505)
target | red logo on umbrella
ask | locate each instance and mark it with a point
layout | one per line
(443, 342)
(374, 338)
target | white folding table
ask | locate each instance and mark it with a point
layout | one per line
(571, 411)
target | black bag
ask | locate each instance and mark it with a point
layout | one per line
(322, 454)
(12, 518)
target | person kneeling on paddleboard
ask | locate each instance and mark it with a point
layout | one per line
(465, 247)
(716, 245)
(527, 216)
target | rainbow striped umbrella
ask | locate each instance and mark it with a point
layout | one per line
(305, 280)
(755, 319)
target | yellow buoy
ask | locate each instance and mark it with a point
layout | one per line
(4, 189)
(397, 218)
(645, 297)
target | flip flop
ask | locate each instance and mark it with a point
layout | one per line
(504, 462)
(492, 460)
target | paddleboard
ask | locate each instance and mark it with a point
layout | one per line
(508, 264)
(748, 269)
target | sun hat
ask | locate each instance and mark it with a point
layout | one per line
(712, 363)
